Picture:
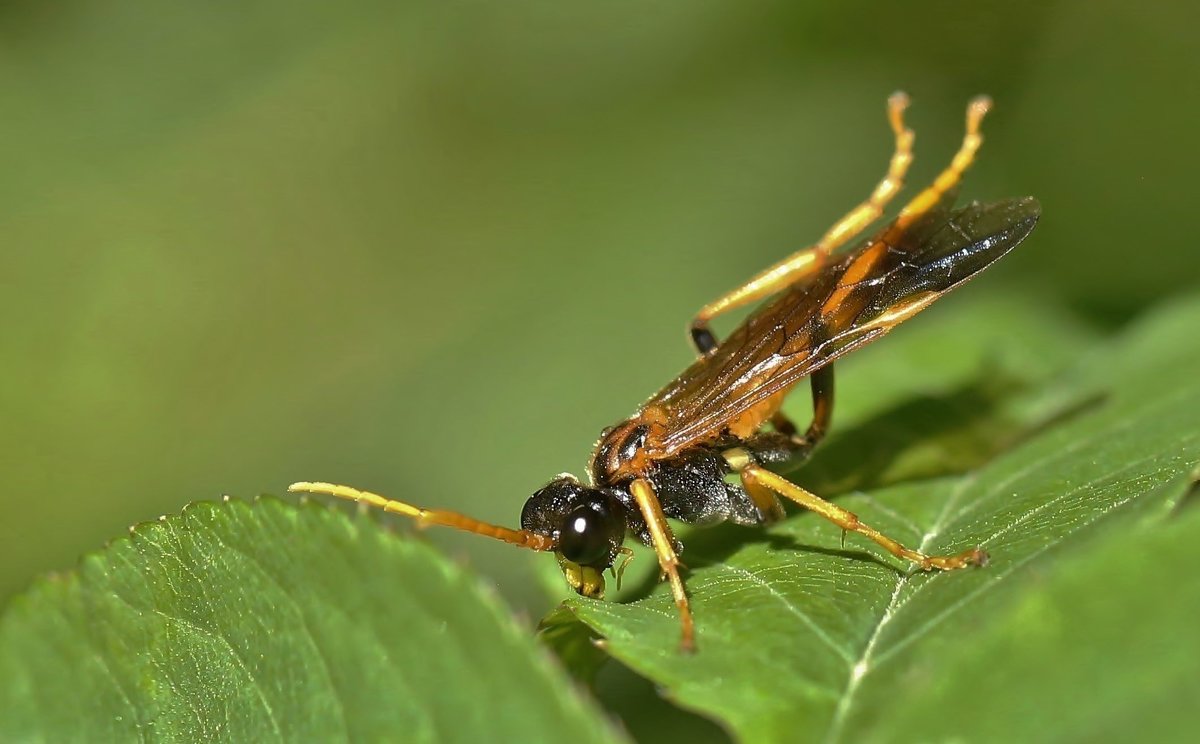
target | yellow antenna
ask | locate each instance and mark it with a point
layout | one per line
(427, 517)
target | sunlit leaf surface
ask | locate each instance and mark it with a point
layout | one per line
(264, 622)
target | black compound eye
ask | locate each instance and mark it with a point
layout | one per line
(584, 536)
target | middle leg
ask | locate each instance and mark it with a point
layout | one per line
(822, 398)
(785, 448)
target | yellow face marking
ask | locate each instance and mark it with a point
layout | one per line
(585, 580)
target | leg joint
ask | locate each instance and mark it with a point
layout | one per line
(702, 338)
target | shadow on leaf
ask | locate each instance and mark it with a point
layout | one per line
(935, 435)
(923, 437)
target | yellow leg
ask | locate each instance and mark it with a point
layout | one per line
(766, 501)
(952, 175)
(426, 517)
(754, 474)
(800, 264)
(660, 533)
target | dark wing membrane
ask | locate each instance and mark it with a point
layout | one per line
(852, 301)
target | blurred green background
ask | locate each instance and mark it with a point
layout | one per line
(432, 248)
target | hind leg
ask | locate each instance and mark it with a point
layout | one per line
(755, 474)
(804, 262)
(952, 175)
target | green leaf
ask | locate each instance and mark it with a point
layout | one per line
(947, 393)
(1107, 651)
(801, 640)
(573, 643)
(265, 622)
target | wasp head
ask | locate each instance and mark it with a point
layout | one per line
(586, 525)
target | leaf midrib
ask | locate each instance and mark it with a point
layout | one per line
(860, 668)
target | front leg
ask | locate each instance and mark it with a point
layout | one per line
(663, 541)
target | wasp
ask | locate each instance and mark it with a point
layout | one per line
(708, 447)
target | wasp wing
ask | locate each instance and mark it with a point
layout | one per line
(850, 302)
